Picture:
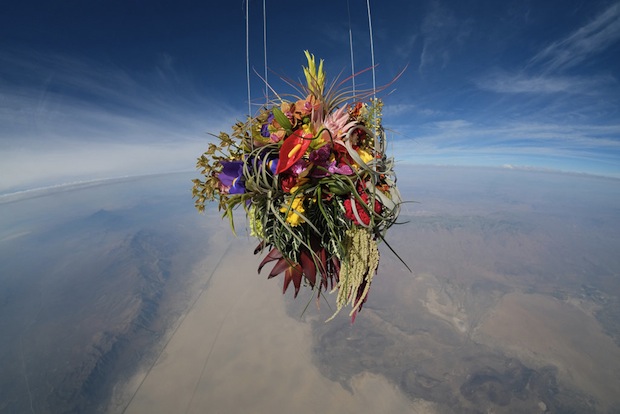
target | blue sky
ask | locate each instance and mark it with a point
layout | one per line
(91, 90)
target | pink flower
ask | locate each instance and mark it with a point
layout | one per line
(338, 123)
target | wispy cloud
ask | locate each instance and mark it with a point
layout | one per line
(449, 125)
(503, 82)
(582, 44)
(63, 118)
(548, 112)
(57, 90)
(31, 166)
(461, 134)
(442, 32)
(395, 111)
(544, 73)
(553, 145)
(403, 50)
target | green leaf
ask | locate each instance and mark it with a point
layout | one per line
(282, 120)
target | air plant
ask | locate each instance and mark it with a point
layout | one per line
(318, 190)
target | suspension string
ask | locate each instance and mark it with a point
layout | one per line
(351, 47)
(379, 141)
(372, 52)
(247, 70)
(247, 54)
(265, 52)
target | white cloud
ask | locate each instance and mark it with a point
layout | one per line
(520, 83)
(400, 109)
(452, 124)
(458, 138)
(58, 94)
(68, 119)
(31, 167)
(543, 84)
(582, 44)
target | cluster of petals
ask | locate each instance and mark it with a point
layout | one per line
(362, 210)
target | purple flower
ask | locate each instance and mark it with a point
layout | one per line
(263, 158)
(321, 155)
(272, 164)
(342, 169)
(320, 158)
(264, 131)
(299, 167)
(231, 176)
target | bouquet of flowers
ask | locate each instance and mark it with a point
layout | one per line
(318, 190)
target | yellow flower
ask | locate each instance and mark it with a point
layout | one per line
(296, 206)
(365, 155)
(315, 78)
(307, 129)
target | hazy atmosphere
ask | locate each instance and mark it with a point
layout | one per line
(117, 296)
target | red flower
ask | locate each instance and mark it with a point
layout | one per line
(292, 149)
(362, 212)
(287, 182)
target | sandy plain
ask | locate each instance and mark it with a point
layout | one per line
(512, 306)
(226, 356)
(541, 330)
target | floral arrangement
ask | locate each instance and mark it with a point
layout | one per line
(318, 190)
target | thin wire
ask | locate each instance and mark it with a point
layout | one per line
(247, 54)
(379, 141)
(265, 51)
(247, 69)
(372, 52)
(351, 47)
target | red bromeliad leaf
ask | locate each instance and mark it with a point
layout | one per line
(280, 267)
(274, 254)
(259, 248)
(308, 266)
(293, 273)
(292, 149)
